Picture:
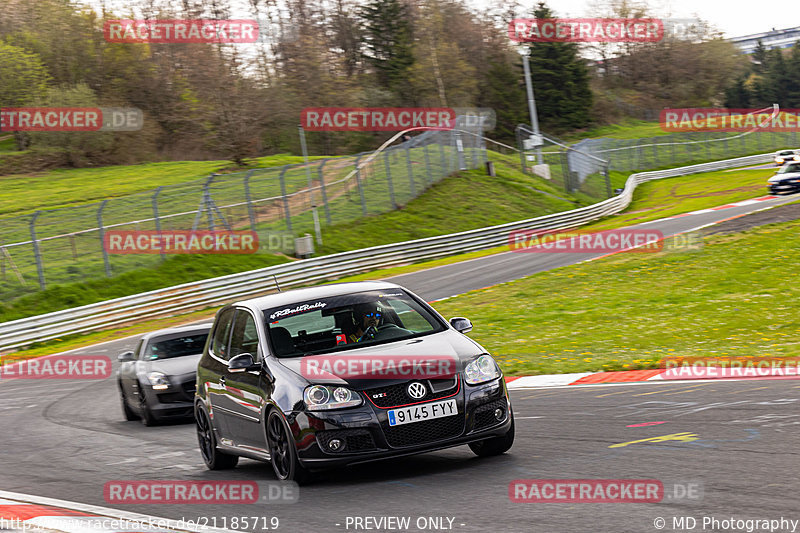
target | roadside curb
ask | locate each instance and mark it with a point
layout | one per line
(635, 376)
(28, 512)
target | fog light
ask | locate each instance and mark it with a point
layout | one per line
(498, 414)
(335, 445)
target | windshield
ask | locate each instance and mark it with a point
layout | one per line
(177, 345)
(345, 322)
(786, 152)
(795, 167)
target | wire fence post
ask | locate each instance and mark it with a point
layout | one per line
(475, 149)
(460, 151)
(410, 173)
(389, 179)
(608, 181)
(428, 175)
(250, 212)
(36, 251)
(443, 160)
(286, 212)
(324, 193)
(156, 218)
(207, 202)
(102, 232)
(360, 187)
(521, 152)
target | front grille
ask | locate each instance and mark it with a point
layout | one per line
(189, 387)
(356, 440)
(397, 395)
(423, 432)
(484, 414)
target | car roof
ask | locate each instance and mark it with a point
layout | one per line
(321, 291)
(206, 327)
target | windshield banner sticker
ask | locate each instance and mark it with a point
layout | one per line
(294, 310)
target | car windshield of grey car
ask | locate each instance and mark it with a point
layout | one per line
(176, 346)
(346, 322)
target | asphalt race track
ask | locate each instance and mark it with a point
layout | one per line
(66, 439)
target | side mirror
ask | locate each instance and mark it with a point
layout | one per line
(461, 324)
(125, 357)
(242, 363)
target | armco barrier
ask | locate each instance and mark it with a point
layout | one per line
(216, 291)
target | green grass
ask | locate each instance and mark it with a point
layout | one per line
(79, 186)
(672, 196)
(463, 201)
(629, 310)
(173, 271)
(627, 129)
(469, 201)
(7, 143)
(651, 201)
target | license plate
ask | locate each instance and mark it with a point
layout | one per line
(419, 413)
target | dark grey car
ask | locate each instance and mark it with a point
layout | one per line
(157, 379)
(343, 374)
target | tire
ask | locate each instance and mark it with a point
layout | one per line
(282, 451)
(130, 416)
(144, 411)
(495, 445)
(212, 457)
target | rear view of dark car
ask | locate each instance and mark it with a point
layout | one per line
(157, 380)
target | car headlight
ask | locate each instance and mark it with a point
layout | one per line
(323, 397)
(158, 380)
(778, 160)
(481, 370)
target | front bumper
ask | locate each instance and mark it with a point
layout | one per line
(367, 436)
(783, 187)
(175, 402)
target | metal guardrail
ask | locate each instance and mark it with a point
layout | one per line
(216, 291)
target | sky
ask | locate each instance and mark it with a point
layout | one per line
(733, 17)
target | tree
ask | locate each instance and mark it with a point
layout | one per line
(738, 96)
(389, 44)
(23, 80)
(561, 82)
(502, 90)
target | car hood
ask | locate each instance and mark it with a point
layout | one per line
(449, 346)
(174, 366)
(781, 177)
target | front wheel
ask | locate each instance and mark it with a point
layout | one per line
(126, 409)
(146, 414)
(214, 459)
(494, 445)
(282, 451)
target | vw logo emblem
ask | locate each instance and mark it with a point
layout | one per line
(417, 390)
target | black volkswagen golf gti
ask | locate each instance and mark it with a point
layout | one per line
(342, 374)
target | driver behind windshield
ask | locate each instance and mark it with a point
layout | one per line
(367, 317)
